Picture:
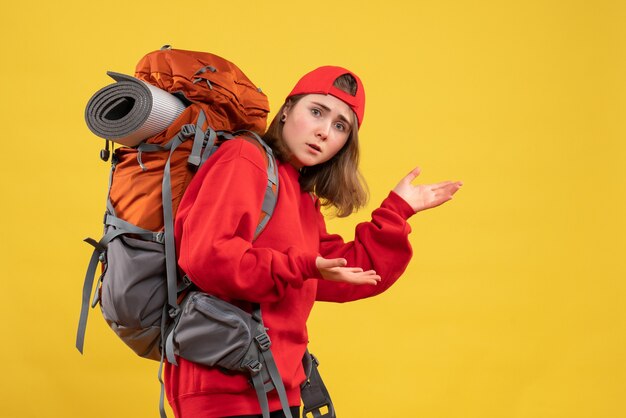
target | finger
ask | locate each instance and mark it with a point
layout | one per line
(453, 188)
(364, 280)
(347, 269)
(329, 263)
(456, 184)
(369, 277)
(441, 185)
(414, 173)
(448, 188)
(373, 280)
(448, 184)
(373, 274)
(442, 197)
(341, 262)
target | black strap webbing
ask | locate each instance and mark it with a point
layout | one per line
(314, 394)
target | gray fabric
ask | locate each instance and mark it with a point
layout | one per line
(162, 394)
(120, 228)
(213, 332)
(271, 191)
(195, 157)
(271, 367)
(84, 310)
(210, 147)
(133, 293)
(123, 227)
(259, 388)
(170, 244)
(144, 147)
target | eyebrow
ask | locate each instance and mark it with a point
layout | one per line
(326, 108)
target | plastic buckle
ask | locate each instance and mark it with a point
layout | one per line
(188, 130)
(254, 366)
(173, 312)
(263, 340)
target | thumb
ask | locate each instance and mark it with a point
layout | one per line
(413, 174)
(327, 263)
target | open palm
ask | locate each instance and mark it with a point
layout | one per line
(425, 196)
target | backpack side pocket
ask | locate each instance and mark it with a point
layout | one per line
(133, 293)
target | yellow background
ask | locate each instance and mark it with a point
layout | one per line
(513, 305)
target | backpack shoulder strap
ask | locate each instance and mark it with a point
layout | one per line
(271, 191)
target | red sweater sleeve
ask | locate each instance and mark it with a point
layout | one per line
(381, 244)
(215, 226)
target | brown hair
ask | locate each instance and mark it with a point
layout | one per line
(337, 182)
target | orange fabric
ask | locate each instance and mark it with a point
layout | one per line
(232, 102)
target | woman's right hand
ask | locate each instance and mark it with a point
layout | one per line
(335, 269)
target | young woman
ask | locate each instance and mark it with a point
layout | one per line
(294, 261)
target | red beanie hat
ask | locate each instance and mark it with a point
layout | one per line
(320, 81)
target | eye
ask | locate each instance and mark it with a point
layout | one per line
(340, 126)
(316, 112)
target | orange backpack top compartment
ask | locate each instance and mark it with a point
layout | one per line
(230, 101)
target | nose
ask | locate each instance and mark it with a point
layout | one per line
(322, 131)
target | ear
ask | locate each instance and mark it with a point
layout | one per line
(285, 111)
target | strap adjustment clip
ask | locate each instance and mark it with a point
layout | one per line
(254, 366)
(188, 130)
(263, 340)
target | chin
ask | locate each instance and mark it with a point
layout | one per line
(306, 162)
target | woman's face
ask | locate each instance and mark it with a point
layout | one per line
(316, 128)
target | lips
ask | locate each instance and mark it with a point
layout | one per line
(315, 147)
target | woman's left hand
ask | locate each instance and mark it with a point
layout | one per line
(335, 269)
(425, 196)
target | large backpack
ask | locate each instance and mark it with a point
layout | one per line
(147, 183)
(140, 290)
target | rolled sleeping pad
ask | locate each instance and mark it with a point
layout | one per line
(130, 111)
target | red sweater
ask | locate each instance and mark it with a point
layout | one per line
(214, 232)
